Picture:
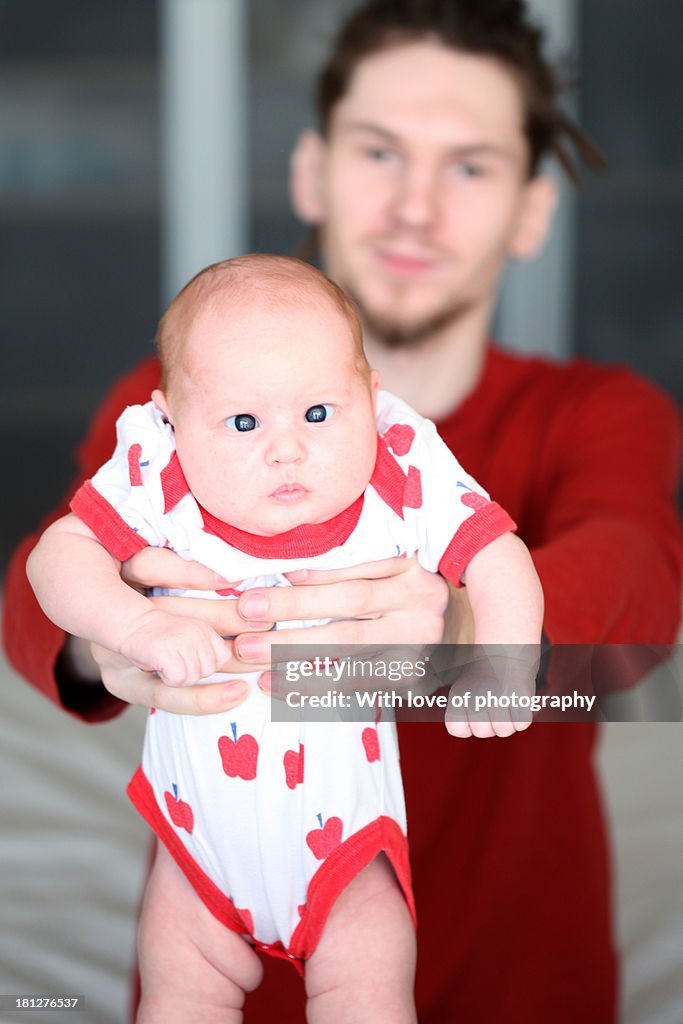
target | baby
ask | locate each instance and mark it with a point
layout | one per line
(269, 448)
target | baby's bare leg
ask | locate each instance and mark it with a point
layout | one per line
(363, 970)
(192, 968)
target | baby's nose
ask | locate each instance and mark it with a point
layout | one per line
(286, 448)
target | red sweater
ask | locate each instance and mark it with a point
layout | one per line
(507, 842)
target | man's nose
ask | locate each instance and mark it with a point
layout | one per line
(416, 197)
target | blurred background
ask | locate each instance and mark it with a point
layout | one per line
(114, 189)
(141, 139)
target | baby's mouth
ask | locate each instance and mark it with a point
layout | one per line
(289, 493)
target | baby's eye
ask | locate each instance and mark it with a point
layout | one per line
(242, 422)
(318, 413)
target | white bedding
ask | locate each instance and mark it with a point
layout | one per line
(72, 859)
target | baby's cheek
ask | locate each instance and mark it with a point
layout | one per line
(349, 476)
(228, 487)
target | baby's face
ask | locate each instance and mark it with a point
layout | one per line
(274, 423)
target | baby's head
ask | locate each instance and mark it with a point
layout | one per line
(266, 384)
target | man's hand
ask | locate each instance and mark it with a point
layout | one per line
(380, 604)
(391, 602)
(134, 686)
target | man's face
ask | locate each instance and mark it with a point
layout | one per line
(274, 423)
(423, 187)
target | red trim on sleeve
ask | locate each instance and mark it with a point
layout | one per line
(120, 539)
(475, 533)
(173, 483)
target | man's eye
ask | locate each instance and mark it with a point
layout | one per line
(242, 422)
(468, 170)
(319, 413)
(381, 155)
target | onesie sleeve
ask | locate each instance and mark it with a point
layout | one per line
(458, 518)
(421, 479)
(118, 503)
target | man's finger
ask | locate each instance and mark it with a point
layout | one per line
(201, 699)
(223, 616)
(146, 689)
(351, 599)
(366, 571)
(255, 649)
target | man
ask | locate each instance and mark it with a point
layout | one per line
(423, 182)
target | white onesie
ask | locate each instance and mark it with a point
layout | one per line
(271, 820)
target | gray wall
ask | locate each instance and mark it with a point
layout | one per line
(629, 297)
(78, 228)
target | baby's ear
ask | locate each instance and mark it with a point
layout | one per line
(159, 399)
(375, 385)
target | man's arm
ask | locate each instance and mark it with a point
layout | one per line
(35, 646)
(608, 548)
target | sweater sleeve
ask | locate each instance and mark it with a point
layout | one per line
(609, 555)
(33, 644)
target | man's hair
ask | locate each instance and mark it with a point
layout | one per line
(489, 28)
(261, 279)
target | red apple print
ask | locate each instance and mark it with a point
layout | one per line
(474, 500)
(134, 474)
(371, 744)
(179, 812)
(294, 766)
(324, 841)
(399, 438)
(229, 592)
(301, 908)
(239, 756)
(247, 920)
(412, 495)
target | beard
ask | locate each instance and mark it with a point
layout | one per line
(394, 334)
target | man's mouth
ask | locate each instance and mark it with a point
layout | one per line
(403, 261)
